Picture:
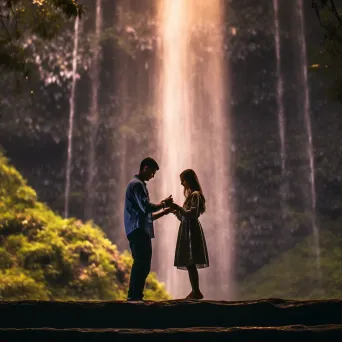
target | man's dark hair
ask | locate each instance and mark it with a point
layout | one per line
(149, 162)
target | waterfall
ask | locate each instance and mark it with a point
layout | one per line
(307, 119)
(125, 90)
(280, 92)
(94, 115)
(284, 186)
(194, 129)
(71, 118)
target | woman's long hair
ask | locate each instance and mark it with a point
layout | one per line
(191, 178)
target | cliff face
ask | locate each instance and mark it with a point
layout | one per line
(262, 320)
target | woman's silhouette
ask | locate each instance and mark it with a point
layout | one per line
(191, 249)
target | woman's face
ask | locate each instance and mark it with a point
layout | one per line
(184, 183)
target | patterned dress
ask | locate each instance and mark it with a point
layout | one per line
(191, 248)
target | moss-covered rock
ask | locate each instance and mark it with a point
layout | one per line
(44, 256)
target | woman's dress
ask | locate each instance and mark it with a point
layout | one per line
(191, 247)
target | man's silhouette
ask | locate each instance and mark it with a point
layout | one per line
(139, 216)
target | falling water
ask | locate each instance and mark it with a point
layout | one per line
(126, 81)
(307, 118)
(94, 114)
(194, 133)
(280, 89)
(71, 118)
(281, 123)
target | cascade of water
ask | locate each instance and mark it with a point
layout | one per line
(280, 90)
(307, 118)
(281, 126)
(94, 114)
(124, 90)
(194, 132)
(71, 118)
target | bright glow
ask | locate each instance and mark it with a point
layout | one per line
(194, 133)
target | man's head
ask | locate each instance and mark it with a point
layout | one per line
(148, 168)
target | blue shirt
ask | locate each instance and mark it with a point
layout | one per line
(138, 208)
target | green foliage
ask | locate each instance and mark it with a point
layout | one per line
(16, 284)
(295, 274)
(44, 256)
(14, 193)
(328, 60)
(42, 18)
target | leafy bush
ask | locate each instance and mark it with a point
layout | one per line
(46, 257)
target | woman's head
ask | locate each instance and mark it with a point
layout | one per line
(191, 183)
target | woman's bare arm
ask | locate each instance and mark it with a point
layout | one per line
(193, 212)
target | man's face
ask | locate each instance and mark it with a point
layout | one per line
(149, 173)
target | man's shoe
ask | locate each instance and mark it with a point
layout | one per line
(139, 300)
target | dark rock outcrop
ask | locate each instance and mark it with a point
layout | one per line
(261, 320)
(208, 334)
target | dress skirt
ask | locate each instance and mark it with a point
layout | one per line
(191, 247)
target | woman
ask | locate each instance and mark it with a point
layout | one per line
(191, 249)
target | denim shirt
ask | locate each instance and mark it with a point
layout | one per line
(138, 208)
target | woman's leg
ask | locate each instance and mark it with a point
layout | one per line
(194, 280)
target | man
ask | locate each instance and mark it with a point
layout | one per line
(139, 216)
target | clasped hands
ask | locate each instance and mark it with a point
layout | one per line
(171, 207)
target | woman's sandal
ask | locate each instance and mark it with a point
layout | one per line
(193, 295)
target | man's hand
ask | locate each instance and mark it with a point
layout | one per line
(167, 211)
(168, 201)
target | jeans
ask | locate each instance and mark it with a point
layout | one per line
(141, 248)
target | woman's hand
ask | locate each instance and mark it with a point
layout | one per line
(174, 207)
(170, 211)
